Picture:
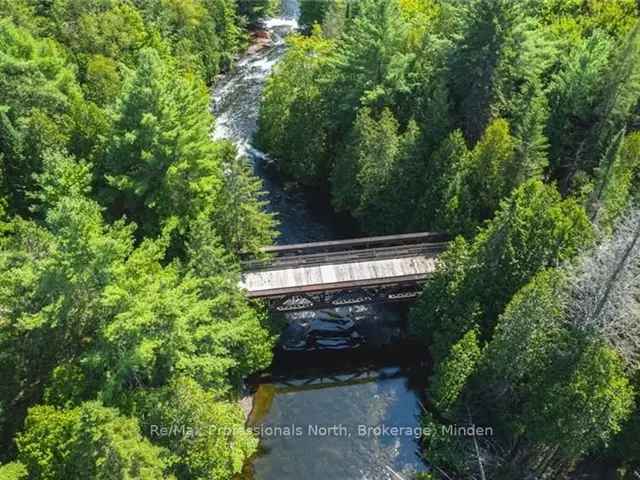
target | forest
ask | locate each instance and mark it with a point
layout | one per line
(121, 223)
(512, 126)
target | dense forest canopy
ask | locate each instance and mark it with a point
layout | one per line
(120, 230)
(511, 125)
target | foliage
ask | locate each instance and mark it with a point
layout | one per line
(13, 471)
(451, 375)
(90, 440)
(557, 375)
(367, 177)
(292, 119)
(205, 428)
(122, 221)
(241, 219)
(533, 229)
(159, 161)
(540, 90)
(39, 98)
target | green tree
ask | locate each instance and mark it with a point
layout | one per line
(366, 176)
(253, 10)
(370, 62)
(585, 410)
(39, 98)
(13, 471)
(204, 36)
(491, 58)
(451, 374)
(159, 161)
(312, 12)
(87, 441)
(214, 442)
(489, 174)
(240, 215)
(573, 94)
(533, 229)
(293, 115)
(439, 205)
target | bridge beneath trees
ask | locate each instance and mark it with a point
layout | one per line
(310, 276)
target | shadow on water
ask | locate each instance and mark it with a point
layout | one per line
(321, 413)
(344, 369)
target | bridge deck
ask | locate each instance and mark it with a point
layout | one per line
(338, 270)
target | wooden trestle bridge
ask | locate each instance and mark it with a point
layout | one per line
(312, 276)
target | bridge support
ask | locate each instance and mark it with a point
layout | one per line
(345, 297)
(345, 272)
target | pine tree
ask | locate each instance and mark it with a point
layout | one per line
(159, 161)
(439, 208)
(533, 229)
(368, 175)
(480, 64)
(490, 176)
(531, 115)
(573, 94)
(620, 96)
(370, 63)
(240, 215)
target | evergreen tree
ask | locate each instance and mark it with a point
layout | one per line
(219, 426)
(573, 94)
(554, 378)
(484, 66)
(374, 158)
(240, 216)
(451, 375)
(159, 161)
(489, 176)
(621, 94)
(204, 36)
(313, 12)
(370, 63)
(293, 112)
(533, 229)
(438, 207)
(530, 120)
(50, 284)
(39, 98)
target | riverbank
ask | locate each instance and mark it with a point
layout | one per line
(317, 376)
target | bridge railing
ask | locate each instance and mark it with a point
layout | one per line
(347, 251)
(356, 244)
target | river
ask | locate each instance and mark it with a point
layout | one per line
(340, 378)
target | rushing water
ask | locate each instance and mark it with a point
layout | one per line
(329, 370)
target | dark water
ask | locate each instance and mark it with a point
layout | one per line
(348, 370)
(331, 426)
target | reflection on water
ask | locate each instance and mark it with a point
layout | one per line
(347, 391)
(314, 343)
(342, 328)
(324, 428)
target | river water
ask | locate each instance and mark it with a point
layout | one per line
(342, 377)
